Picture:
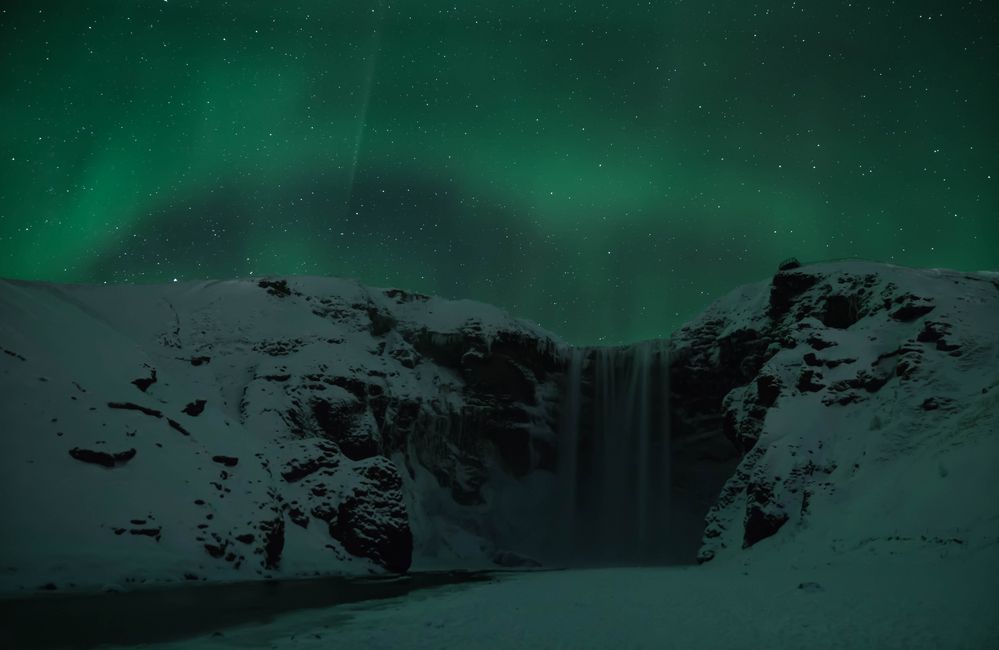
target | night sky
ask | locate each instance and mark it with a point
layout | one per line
(603, 168)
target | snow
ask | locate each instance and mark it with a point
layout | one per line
(777, 601)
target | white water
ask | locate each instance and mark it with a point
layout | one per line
(614, 454)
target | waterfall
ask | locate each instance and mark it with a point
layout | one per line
(568, 450)
(614, 454)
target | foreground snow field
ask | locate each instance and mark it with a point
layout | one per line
(780, 600)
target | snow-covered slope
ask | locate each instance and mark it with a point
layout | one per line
(864, 399)
(233, 430)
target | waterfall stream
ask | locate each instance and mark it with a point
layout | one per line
(614, 459)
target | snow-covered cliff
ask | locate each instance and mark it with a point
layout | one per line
(863, 401)
(234, 430)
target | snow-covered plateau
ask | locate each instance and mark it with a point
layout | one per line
(811, 461)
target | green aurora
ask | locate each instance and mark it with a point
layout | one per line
(603, 168)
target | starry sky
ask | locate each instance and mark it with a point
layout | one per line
(603, 168)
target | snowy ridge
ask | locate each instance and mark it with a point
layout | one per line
(244, 429)
(865, 401)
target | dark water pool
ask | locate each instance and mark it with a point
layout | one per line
(82, 621)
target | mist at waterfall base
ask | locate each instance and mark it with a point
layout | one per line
(613, 472)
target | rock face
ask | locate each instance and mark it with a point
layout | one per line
(821, 381)
(277, 428)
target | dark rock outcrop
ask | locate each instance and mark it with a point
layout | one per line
(372, 521)
(272, 532)
(337, 422)
(276, 288)
(195, 408)
(143, 383)
(841, 311)
(767, 389)
(135, 407)
(102, 457)
(786, 286)
(764, 515)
